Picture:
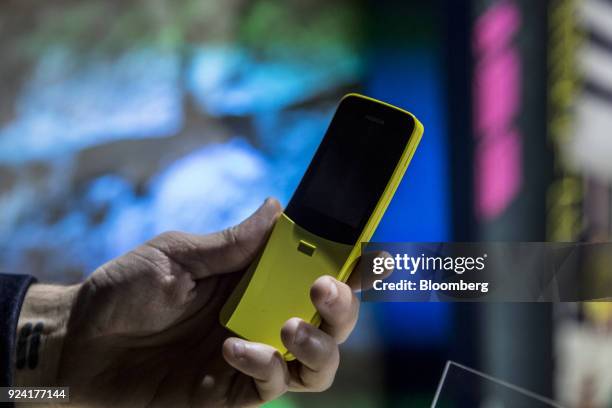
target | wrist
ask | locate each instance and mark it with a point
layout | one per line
(40, 334)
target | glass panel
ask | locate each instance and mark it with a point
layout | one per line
(462, 386)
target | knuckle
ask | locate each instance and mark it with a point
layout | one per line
(283, 387)
(229, 234)
(321, 383)
(274, 363)
(328, 380)
(346, 315)
(353, 313)
(334, 357)
(326, 385)
(156, 268)
(167, 236)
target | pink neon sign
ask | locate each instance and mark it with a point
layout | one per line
(497, 97)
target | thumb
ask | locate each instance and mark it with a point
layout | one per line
(221, 252)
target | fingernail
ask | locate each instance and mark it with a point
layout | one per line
(332, 293)
(300, 335)
(238, 348)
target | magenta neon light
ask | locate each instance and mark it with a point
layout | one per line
(497, 99)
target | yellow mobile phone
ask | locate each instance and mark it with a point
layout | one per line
(337, 205)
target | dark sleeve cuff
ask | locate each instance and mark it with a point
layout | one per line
(12, 291)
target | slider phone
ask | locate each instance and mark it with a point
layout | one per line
(337, 205)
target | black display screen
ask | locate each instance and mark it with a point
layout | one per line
(350, 169)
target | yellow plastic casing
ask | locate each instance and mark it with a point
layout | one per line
(276, 286)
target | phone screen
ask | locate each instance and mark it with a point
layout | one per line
(350, 169)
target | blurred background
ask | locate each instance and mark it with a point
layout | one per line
(122, 119)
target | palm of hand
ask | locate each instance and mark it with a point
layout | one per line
(144, 329)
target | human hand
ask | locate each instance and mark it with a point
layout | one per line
(143, 329)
